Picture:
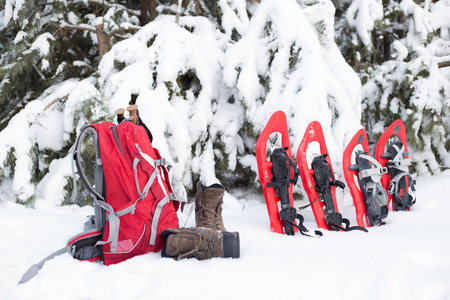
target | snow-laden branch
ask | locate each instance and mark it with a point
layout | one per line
(102, 37)
(68, 26)
(362, 15)
(106, 4)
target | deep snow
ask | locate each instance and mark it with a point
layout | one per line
(405, 259)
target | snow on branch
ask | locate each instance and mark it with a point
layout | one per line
(362, 15)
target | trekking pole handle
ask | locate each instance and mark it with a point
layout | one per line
(132, 110)
(120, 115)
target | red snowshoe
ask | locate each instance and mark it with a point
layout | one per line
(362, 174)
(277, 176)
(276, 124)
(392, 152)
(319, 181)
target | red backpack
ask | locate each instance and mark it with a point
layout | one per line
(129, 184)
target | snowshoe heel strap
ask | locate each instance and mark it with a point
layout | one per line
(347, 226)
(402, 187)
(301, 228)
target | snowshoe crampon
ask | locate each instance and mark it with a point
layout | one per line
(319, 181)
(363, 174)
(392, 152)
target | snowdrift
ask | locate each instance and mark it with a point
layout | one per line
(405, 259)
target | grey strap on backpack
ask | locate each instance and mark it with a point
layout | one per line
(97, 195)
(34, 269)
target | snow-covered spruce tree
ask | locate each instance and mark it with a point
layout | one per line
(356, 35)
(288, 60)
(413, 84)
(48, 60)
(174, 73)
(34, 149)
(46, 43)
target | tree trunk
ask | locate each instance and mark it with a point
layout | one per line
(148, 11)
(103, 42)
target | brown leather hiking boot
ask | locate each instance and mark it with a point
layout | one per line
(201, 243)
(208, 206)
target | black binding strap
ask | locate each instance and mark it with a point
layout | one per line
(347, 226)
(281, 169)
(301, 228)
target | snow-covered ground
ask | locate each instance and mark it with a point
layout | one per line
(406, 259)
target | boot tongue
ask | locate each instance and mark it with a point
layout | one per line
(211, 203)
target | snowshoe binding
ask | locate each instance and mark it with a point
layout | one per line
(323, 180)
(392, 152)
(402, 186)
(282, 167)
(276, 124)
(285, 173)
(363, 179)
(374, 195)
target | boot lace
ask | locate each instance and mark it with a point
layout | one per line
(206, 247)
(210, 222)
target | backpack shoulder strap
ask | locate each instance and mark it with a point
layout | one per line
(89, 130)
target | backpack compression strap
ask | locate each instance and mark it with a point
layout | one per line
(323, 180)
